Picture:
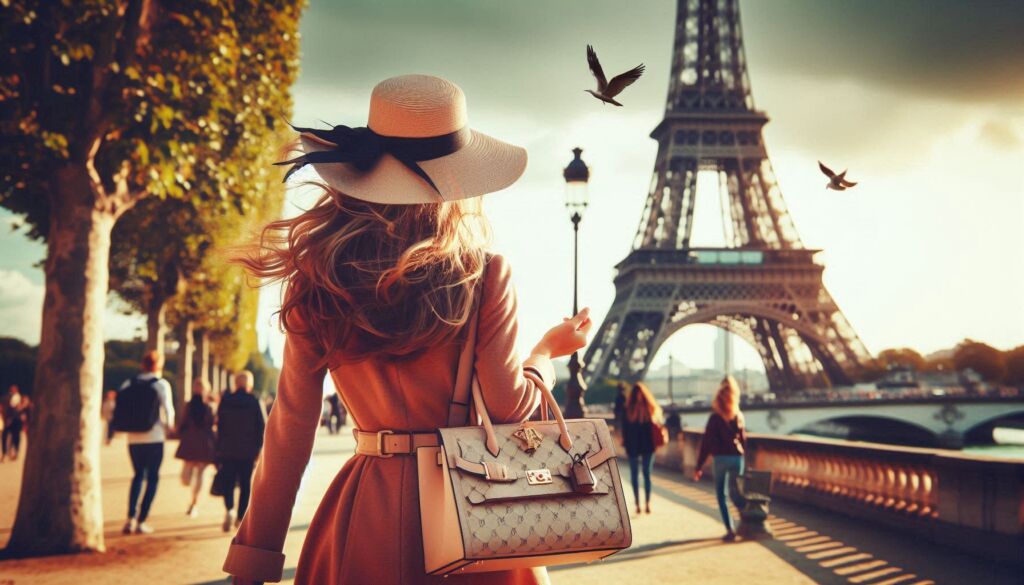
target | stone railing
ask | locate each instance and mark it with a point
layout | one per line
(974, 503)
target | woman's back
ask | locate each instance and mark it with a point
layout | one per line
(382, 395)
(638, 437)
(196, 436)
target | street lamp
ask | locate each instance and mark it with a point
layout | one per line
(576, 176)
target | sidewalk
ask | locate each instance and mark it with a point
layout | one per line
(679, 543)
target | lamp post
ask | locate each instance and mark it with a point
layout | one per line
(576, 176)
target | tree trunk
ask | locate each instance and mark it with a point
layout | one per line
(156, 322)
(60, 509)
(183, 384)
(203, 351)
(215, 381)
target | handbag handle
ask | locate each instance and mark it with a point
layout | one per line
(548, 402)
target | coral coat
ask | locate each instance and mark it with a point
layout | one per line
(367, 528)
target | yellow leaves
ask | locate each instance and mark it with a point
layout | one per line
(142, 152)
(165, 115)
(55, 142)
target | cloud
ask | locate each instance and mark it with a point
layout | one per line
(999, 135)
(964, 51)
(21, 305)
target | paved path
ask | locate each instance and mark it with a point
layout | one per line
(679, 543)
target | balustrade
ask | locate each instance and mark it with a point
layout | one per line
(972, 502)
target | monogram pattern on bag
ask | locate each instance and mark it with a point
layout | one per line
(562, 520)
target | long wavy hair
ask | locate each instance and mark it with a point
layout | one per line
(727, 399)
(641, 405)
(369, 279)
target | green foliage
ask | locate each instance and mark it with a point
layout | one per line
(118, 87)
(904, 357)
(988, 361)
(17, 364)
(167, 245)
(264, 375)
(1015, 366)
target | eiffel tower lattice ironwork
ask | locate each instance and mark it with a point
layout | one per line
(765, 286)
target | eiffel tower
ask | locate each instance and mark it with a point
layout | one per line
(765, 286)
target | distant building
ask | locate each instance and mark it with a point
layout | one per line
(723, 352)
(267, 358)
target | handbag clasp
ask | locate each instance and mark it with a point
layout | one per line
(538, 476)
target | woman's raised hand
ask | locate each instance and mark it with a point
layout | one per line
(569, 336)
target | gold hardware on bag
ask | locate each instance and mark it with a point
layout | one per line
(528, 437)
(538, 476)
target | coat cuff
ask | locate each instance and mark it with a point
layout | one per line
(252, 563)
(541, 366)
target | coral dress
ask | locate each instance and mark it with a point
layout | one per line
(367, 528)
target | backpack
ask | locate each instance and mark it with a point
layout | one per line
(138, 407)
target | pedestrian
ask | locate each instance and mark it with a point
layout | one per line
(14, 422)
(725, 440)
(145, 412)
(197, 442)
(107, 412)
(619, 410)
(335, 418)
(642, 417)
(380, 276)
(240, 423)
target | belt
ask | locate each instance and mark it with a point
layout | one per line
(389, 443)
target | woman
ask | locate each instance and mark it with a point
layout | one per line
(14, 413)
(725, 440)
(196, 447)
(381, 275)
(619, 409)
(642, 416)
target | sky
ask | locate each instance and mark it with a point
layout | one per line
(922, 100)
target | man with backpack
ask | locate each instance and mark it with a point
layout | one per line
(240, 423)
(145, 412)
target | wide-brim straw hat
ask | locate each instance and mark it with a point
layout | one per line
(422, 119)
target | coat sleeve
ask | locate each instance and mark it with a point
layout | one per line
(509, 386)
(255, 552)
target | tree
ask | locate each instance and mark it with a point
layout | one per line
(1014, 360)
(984, 359)
(100, 105)
(904, 357)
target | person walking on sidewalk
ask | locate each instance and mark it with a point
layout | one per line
(240, 423)
(144, 410)
(725, 440)
(642, 417)
(107, 412)
(381, 276)
(13, 409)
(197, 442)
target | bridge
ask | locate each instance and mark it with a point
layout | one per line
(922, 421)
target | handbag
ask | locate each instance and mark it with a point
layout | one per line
(496, 497)
(219, 487)
(659, 435)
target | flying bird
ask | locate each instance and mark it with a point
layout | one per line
(835, 182)
(606, 90)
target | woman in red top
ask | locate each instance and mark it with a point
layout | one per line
(725, 440)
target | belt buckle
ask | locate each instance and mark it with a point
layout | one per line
(380, 444)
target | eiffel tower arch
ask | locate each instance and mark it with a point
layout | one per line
(764, 286)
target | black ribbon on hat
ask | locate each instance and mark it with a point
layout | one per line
(362, 148)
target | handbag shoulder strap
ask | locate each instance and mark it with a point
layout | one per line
(458, 408)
